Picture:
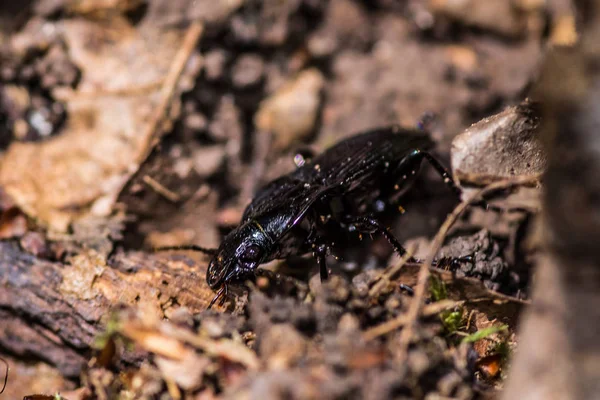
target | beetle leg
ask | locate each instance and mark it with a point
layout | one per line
(371, 225)
(443, 173)
(450, 182)
(453, 262)
(419, 155)
(320, 253)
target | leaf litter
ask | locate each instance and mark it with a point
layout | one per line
(220, 77)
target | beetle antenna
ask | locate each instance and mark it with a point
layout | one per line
(191, 247)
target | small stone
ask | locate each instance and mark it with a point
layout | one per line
(291, 112)
(448, 384)
(348, 323)
(282, 346)
(501, 146)
(207, 160)
(196, 121)
(418, 362)
(226, 123)
(214, 64)
(34, 243)
(248, 71)
(337, 290)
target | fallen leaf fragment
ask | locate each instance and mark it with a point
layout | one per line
(186, 372)
(113, 118)
(228, 349)
(156, 342)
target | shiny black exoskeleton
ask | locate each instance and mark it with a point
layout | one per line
(306, 210)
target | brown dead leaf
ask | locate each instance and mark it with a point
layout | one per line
(186, 372)
(226, 348)
(156, 342)
(176, 343)
(176, 237)
(109, 131)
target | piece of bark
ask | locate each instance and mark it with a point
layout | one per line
(53, 311)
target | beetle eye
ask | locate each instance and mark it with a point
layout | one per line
(251, 253)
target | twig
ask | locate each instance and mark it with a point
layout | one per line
(161, 189)
(469, 320)
(401, 320)
(424, 273)
(389, 273)
(170, 84)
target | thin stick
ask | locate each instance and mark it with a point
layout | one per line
(424, 273)
(401, 320)
(389, 274)
(161, 189)
(170, 84)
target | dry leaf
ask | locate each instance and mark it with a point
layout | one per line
(108, 132)
(186, 372)
(156, 342)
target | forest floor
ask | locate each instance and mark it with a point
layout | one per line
(129, 125)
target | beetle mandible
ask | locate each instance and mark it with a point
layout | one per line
(327, 196)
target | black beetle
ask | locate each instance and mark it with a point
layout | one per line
(306, 210)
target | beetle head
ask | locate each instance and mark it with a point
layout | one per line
(241, 251)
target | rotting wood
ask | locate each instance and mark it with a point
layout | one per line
(53, 311)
